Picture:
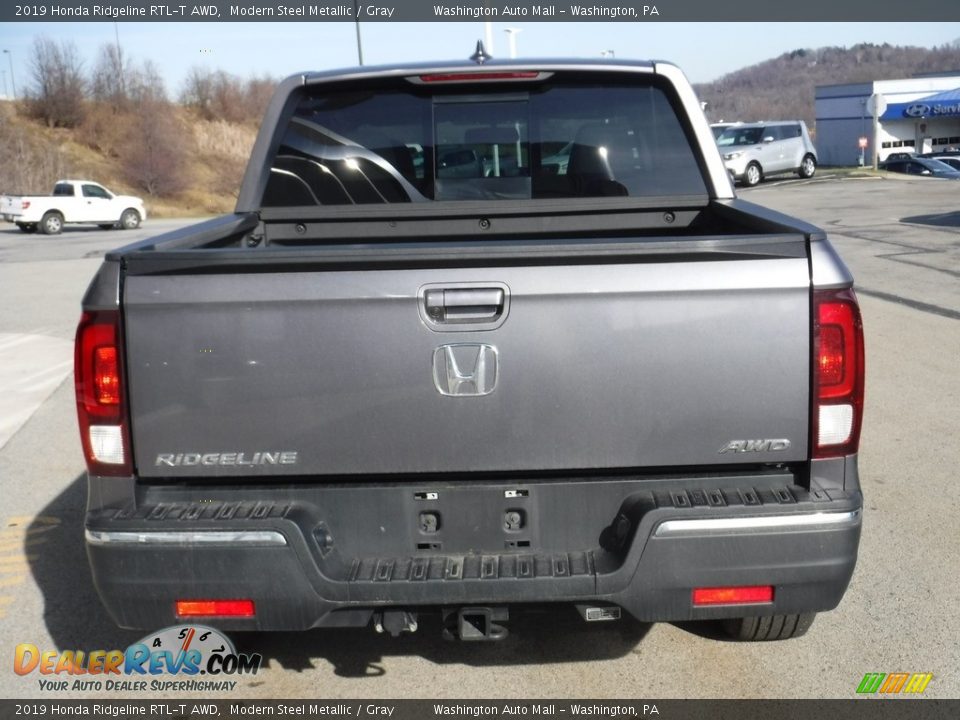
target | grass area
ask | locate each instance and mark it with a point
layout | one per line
(193, 202)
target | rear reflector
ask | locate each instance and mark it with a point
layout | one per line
(740, 595)
(101, 407)
(838, 373)
(215, 608)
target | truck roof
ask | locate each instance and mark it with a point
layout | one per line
(491, 65)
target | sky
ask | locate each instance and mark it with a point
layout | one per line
(705, 51)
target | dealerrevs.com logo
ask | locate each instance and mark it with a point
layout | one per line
(182, 651)
(894, 683)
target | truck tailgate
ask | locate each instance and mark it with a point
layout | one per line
(342, 372)
(10, 205)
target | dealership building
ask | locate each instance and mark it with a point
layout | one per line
(922, 114)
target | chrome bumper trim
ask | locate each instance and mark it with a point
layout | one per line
(188, 537)
(722, 526)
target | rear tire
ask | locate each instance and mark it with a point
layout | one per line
(27, 227)
(769, 627)
(808, 166)
(52, 223)
(130, 219)
(752, 175)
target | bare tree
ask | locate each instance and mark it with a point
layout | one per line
(229, 98)
(27, 164)
(57, 86)
(198, 92)
(259, 90)
(218, 95)
(146, 84)
(108, 84)
(153, 153)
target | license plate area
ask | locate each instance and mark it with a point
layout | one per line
(470, 520)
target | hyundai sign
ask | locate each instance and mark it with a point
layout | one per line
(924, 108)
(919, 110)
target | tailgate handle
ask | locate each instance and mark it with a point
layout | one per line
(464, 305)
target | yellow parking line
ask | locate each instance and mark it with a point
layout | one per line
(19, 532)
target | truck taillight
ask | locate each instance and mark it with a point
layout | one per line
(24, 204)
(101, 405)
(838, 373)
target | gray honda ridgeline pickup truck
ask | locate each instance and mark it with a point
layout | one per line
(477, 335)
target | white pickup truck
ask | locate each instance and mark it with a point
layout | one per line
(72, 201)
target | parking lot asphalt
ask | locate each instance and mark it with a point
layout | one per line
(901, 239)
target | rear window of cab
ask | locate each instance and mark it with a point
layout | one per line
(400, 142)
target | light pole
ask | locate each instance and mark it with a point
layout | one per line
(116, 34)
(13, 82)
(512, 38)
(4, 82)
(356, 22)
(863, 128)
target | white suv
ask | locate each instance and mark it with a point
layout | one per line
(752, 151)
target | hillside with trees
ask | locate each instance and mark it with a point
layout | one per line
(783, 88)
(117, 123)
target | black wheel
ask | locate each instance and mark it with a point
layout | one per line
(770, 627)
(808, 166)
(27, 227)
(106, 226)
(130, 219)
(52, 223)
(752, 175)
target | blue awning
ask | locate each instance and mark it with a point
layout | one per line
(943, 104)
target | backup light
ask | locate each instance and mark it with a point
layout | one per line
(106, 444)
(834, 424)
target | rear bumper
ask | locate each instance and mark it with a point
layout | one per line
(307, 561)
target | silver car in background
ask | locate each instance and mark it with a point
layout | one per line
(752, 151)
